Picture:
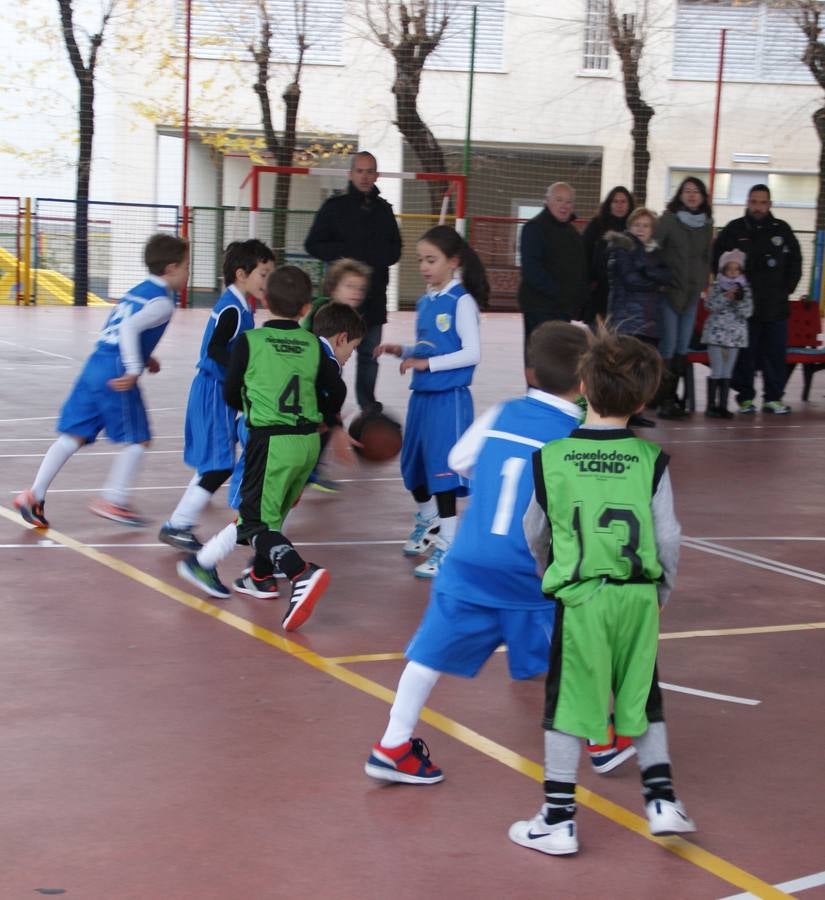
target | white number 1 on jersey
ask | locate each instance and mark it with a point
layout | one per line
(510, 473)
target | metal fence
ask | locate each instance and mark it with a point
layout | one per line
(11, 287)
(117, 234)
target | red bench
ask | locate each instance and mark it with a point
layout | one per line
(804, 347)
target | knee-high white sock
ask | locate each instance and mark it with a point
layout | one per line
(193, 502)
(218, 547)
(428, 510)
(56, 457)
(414, 688)
(447, 528)
(122, 474)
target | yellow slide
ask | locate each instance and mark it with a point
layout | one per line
(52, 287)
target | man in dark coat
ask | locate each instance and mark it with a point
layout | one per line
(773, 266)
(361, 225)
(553, 266)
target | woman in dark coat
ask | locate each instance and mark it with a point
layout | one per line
(612, 216)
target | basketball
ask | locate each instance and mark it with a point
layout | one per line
(379, 434)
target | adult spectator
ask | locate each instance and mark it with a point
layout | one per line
(773, 266)
(612, 216)
(684, 234)
(553, 267)
(361, 225)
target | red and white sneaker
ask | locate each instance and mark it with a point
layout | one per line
(114, 513)
(606, 757)
(31, 509)
(409, 763)
(307, 589)
(265, 588)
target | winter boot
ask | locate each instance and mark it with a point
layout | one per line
(722, 408)
(712, 407)
(668, 406)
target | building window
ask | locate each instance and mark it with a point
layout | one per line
(596, 37)
(763, 41)
(214, 38)
(731, 186)
(453, 52)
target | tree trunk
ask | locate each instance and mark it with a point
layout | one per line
(418, 135)
(819, 124)
(286, 156)
(84, 170)
(641, 155)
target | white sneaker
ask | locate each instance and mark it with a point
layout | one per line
(429, 568)
(422, 536)
(668, 817)
(557, 840)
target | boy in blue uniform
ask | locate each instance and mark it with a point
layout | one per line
(107, 396)
(486, 592)
(210, 434)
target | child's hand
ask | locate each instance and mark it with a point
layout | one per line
(123, 383)
(152, 365)
(731, 294)
(419, 365)
(393, 349)
(341, 444)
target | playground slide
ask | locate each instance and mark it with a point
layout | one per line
(52, 287)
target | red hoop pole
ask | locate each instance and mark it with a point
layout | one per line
(712, 178)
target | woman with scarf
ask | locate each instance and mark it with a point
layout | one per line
(684, 234)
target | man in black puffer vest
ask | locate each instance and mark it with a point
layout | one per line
(773, 266)
(361, 225)
(553, 266)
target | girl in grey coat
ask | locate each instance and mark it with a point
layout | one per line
(729, 304)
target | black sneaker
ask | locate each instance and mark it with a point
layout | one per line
(205, 580)
(179, 538)
(306, 591)
(265, 588)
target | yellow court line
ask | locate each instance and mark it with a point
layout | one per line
(667, 636)
(715, 865)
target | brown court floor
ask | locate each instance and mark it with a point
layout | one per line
(159, 747)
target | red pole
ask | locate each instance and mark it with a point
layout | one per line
(712, 178)
(184, 198)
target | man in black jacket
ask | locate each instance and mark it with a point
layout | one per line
(553, 266)
(361, 225)
(773, 266)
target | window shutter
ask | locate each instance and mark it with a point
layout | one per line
(454, 50)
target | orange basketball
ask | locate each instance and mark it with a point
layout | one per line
(379, 434)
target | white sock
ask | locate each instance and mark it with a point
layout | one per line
(447, 529)
(122, 474)
(218, 547)
(428, 510)
(414, 688)
(56, 457)
(193, 502)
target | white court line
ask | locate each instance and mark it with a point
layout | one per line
(165, 487)
(44, 440)
(798, 884)
(86, 455)
(35, 350)
(35, 366)
(760, 562)
(728, 698)
(45, 543)
(752, 538)
(757, 440)
(54, 418)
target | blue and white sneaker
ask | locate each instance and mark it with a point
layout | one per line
(204, 579)
(668, 817)
(429, 568)
(422, 536)
(559, 839)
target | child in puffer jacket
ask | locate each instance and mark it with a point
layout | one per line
(729, 304)
(638, 279)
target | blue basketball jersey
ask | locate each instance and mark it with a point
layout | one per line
(230, 297)
(131, 303)
(489, 562)
(436, 335)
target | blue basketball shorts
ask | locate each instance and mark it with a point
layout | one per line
(458, 637)
(435, 422)
(234, 496)
(92, 406)
(209, 433)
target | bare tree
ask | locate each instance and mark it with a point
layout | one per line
(809, 19)
(85, 73)
(283, 148)
(411, 30)
(627, 34)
